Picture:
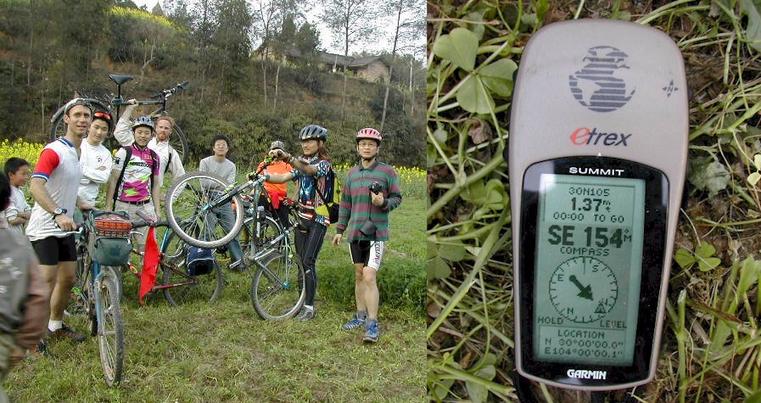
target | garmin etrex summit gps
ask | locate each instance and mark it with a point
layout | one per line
(597, 157)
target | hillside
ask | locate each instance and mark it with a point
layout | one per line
(44, 60)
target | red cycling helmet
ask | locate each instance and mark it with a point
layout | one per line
(369, 133)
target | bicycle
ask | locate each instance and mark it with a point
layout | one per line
(98, 272)
(177, 139)
(277, 288)
(177, 284)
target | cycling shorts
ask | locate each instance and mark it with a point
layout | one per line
(52, 250)
(369, 253)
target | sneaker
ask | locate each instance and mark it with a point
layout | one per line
(41, 349)
(306, 314)
(354, 323)
(372, 331)
(67, 332)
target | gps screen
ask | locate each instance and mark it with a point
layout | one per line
(588, 269)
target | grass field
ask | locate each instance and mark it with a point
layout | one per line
(223, 352)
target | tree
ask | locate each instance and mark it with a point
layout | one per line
(412, 22)
(352, 21)
(232, 39)
(267, 15)
(307, 41)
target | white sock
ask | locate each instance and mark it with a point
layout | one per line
(54, 325)
(309, 307)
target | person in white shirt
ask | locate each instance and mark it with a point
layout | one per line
(169, 158)
(54, 186)
(95, 160)
(18, 212)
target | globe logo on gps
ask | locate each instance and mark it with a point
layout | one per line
(599, 85)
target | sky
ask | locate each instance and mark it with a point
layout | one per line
(383, 44)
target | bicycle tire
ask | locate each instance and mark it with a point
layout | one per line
(58, 127)
(187, 202)
(110, 326)
(179, 142)
(251, 242)
(205, 286)
(277, 290)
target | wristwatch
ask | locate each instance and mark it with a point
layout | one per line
(58, 211)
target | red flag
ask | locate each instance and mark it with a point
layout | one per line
(150, 265)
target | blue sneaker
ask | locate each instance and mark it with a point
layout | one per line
(371, 331)
(355, 322)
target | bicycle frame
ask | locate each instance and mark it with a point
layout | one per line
(163, 246)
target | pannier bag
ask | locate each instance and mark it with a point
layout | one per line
(110, 245)
(199, 261)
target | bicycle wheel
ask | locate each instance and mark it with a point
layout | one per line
(110, 326)
(180, 287)
(179, 142)
(191, 212)
(277, 289)
(252, 241)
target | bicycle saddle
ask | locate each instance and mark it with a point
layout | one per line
(120, 79)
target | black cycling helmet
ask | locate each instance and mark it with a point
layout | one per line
(313, 132)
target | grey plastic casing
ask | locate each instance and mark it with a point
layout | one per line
(556, 93)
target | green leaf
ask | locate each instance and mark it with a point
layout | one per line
(474, 193)
(475, 27)
(459, 47)
(748, 275)
(757, 161)
(477, 392)
(452, 252)
(440, 135)
(706, 264)
(705, 249)
(684, 258)
(710, 175)
(753, 178)
(438, 268)
(719, 337)
(541, 6)
(498, 76)
(753, 30)
(754, 398)
(473, 97)
(441, 390)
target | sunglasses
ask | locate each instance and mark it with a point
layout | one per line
(103, 115)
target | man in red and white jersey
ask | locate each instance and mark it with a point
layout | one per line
(54, 186)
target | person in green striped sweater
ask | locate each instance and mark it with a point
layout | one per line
(370, 192)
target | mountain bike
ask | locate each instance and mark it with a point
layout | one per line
(113, 105)
(277, 288)
(98, 274)
(174, 280)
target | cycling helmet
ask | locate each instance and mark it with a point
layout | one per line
(74, 102)
(277, 145)
(313, 132)
(369, 133)
(143, 121)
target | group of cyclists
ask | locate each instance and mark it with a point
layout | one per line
(71, 170)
